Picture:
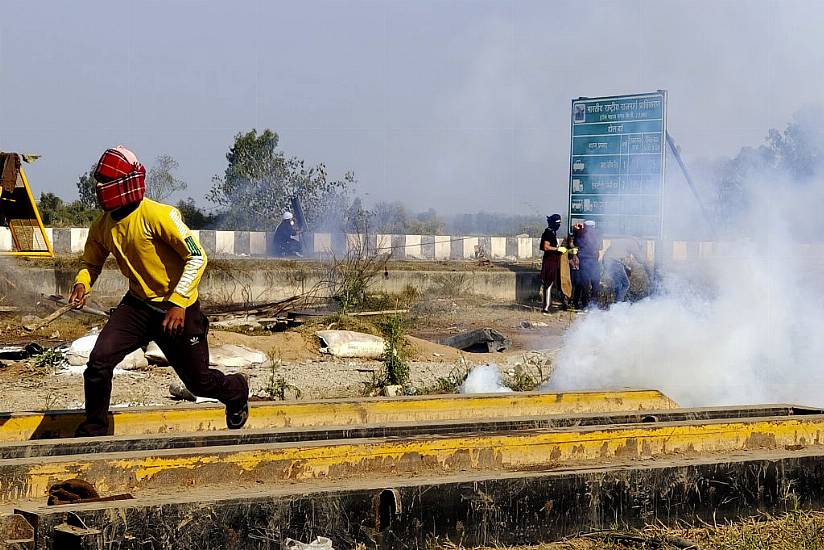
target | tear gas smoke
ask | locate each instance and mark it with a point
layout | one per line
(484, 379)
(748, 331)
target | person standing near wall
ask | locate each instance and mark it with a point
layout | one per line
(551, 263)
(589, 248)
(164, 262)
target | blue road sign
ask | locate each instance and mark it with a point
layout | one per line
(616, 165)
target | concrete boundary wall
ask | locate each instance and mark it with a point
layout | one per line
(260, 244)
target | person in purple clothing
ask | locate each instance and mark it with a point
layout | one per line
(589, 247)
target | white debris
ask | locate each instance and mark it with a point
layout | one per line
(136, 360)
(77, 357)
(346, 343)
(155, 355)
(79, 351)
(320, 543)
(231, 355)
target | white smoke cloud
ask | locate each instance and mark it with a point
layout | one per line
(484, 379)
(749, 330)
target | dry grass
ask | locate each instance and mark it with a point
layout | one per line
(791, 531)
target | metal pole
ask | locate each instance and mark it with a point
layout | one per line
(684, 171)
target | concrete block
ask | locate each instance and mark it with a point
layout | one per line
(383, 244)
(650, 251)
(257, 243)
(414, 248)
(456, 248)
(469, 244)
(398, 246)
(442, 246)
(369, 243)
(428, 247)
(224, 243)
(511, 249)
(357, 243)
(485, 242)
(62, 240)
(50, 235)
(241, 245)
(340, 244)
(679, 251)
(322, 243)
(692, 250)
(207, 239)
(78, 238)
(497, 247)
(526, 249)
(551, 505)
(307, 241)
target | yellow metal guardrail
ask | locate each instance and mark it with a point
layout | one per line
(24, 426)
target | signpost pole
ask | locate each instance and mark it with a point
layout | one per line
(686, 173)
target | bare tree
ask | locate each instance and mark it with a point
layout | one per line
(161, 182)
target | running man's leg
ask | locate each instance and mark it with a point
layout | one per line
(188, 354)
(126, 330)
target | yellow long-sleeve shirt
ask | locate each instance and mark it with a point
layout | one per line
(154, 249)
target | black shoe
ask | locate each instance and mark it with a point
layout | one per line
(236, 417)
(238, 413)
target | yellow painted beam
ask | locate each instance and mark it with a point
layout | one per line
(337, 412)
(507, 451)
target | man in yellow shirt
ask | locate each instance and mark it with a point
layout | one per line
(164, 263)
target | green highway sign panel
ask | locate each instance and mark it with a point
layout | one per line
(616, 166)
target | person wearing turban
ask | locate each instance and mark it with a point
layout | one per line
(164, 263)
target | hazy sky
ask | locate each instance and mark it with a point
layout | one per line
(456, 105)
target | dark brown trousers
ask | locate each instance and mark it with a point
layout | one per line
(133, 325)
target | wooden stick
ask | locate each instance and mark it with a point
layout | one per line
(85, 309)
(54, 315)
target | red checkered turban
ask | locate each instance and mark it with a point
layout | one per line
(123, 179)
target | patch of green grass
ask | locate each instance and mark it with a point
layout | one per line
(49, 359)
(395, 352)
(277, 388)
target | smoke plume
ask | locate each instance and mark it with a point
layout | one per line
(744, 326)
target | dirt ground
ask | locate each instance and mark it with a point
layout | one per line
(299, 369)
